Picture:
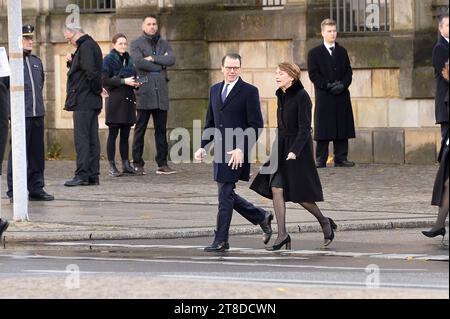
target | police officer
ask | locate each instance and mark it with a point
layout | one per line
(34, 114)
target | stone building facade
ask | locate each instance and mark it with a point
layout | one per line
(393, 84)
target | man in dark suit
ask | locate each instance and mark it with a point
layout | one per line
(84, 88)
(440, 57)
(233, 106)
(330, 70)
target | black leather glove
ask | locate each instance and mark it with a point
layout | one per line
(330, 86)
(337, 89)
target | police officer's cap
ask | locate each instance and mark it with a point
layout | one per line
(27, 30)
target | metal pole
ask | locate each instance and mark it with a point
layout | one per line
(345, 15)
(352, 28)
(357, 16)
(385, 15)
(338, 21)
(331, 9)
(19, 156)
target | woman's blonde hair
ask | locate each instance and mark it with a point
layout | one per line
(292, 69)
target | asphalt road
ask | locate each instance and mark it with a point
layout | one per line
(371, 264)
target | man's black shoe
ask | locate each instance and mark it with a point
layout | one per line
(344, 164)
(41, 197)
(76, 181)
(94, 181)
(3, 226)
(266, 226)
(217, 247)
(321, 165)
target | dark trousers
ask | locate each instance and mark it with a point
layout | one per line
(35, 149)
(160, 124)
(229, 201)
(444, 129)
(123, 144)
(340, 148)
(87, 143)
(4, 123)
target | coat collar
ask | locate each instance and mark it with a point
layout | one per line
(83, 38)
(296, 87)
(443, 40)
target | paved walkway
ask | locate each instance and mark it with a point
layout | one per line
(366, 197)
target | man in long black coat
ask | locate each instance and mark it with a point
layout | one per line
(330, 70)
(440, 57)
(233, 106)
(84, 88)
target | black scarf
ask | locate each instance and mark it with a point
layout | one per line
(115, 64)
(153, 40)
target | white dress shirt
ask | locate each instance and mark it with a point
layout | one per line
(329, 45)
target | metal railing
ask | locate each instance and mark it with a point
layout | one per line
(361, 15)
(255, 3)
(93, 6)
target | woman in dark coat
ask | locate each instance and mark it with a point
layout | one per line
(441, 184)
(296, 179)
(119, 80)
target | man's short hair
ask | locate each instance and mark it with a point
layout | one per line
(74, 29)
(150, 16)
(327, 22)
(233, 56)
(442, 17)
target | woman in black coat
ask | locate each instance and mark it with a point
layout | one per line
(441, 184)
(296, 179)
(119, 80)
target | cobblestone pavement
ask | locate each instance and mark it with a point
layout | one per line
(184, 204)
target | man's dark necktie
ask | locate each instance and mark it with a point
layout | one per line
(225, 93)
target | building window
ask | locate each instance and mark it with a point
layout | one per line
(361, 15)
(94, 6)
(263, 4)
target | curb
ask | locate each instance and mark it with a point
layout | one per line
(132, 234)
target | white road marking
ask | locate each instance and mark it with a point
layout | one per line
(319, 252)
(308, 282)
(82, 244)
(248, 258)
(399, 256)
(190, 261)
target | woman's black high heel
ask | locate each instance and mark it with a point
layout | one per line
(432, 234)
(286, 242)
(333, 227)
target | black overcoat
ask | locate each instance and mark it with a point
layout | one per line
(84, 79)
(121, 103)
(300, 177)
(241, 111)
(440, 56)
(333, 115)
(443, 172)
